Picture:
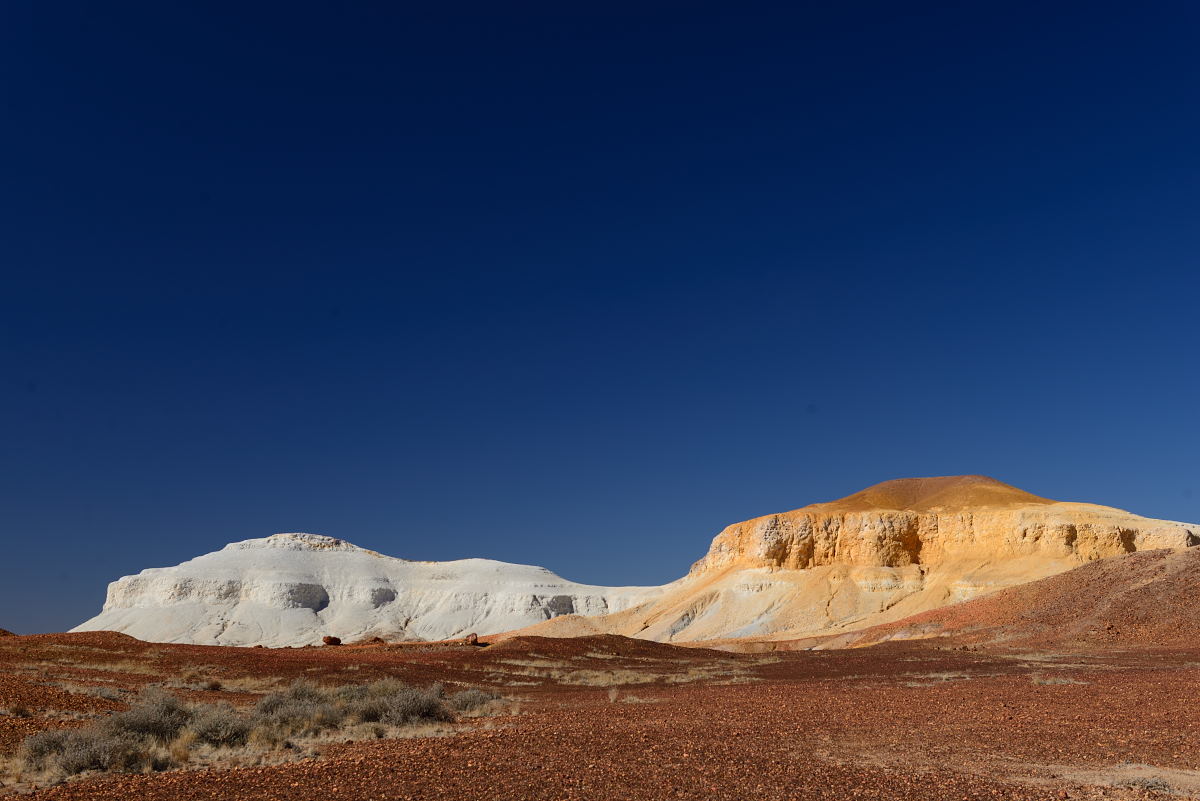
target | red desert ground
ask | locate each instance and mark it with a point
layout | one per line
(949, 637)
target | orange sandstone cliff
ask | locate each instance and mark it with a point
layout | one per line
(889, 551)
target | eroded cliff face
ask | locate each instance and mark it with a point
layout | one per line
(293, 589)
(889, 551)
(802, 539)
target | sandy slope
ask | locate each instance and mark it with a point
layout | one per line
(1149, 599)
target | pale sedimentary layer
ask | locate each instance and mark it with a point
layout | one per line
(292, 589)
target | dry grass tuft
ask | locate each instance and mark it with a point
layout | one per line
(1039, 679)
(592, 677)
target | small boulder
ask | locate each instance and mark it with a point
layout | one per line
(471, 639)
(330, 640)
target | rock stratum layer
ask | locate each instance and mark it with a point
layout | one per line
(893, 550)
(932, 521)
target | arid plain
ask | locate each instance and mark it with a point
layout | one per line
(1081, 684)
(1008, 711)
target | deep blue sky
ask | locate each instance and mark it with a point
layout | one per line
(578, 286)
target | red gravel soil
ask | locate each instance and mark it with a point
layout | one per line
(611, 718)
(1148, 599)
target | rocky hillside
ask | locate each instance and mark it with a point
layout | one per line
(1141, 600)
(887, 552)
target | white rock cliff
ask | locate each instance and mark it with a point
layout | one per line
(291, 589)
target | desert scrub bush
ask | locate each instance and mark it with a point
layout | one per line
(100, 749)
(303, 708)
(1039, 679)
(394, 703)
(156, 715)
(159, 731)
(125, 741)
(219, 725)
(38, 749)
(1152, 784)
(196, 678)
(471, 699)
(90, 748)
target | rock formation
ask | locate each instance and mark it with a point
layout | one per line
(889, 551)
(892, 550)
(930, 521)
(293, 589)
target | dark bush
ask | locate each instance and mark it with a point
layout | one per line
(38, 749)
(219, 725)
(392, 702)
(97, 749)
(133, 740)
(156, 715)
(410, 706)
(302, 708)
(87, 749)
(469, 700)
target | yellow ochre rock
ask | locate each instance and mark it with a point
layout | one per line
(928, 521)
(889, 551)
